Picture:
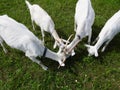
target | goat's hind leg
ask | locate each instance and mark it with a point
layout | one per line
(38, 62)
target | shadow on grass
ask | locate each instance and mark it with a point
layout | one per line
(72, 63)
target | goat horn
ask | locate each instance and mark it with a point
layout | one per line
(74, 46)
(68, 39)
(66, 46)
(68, 52)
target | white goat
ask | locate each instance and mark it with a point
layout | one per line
(45, 22)
(111, 28)
(17, 36)
(84, 18)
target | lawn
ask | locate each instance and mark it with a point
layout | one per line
(81, 72)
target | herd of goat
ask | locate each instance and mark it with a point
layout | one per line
(18, 36)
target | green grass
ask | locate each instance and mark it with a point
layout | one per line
(81, 72)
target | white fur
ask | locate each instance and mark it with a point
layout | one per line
(17, 36)
(45, 22)
(84, 18)
(111, 28)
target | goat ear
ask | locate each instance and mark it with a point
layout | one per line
(96, 53)
(86, 45)
(72, 53)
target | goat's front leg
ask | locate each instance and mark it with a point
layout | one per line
(38, 62)
(89, 37)
(1, 43)
(33, 24)
(95, 40)
(106, 44)
(43, 35)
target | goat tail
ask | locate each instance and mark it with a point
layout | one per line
(28, 4)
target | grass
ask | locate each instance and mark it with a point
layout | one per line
(81, 72)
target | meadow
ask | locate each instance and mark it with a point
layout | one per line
(81, 72)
